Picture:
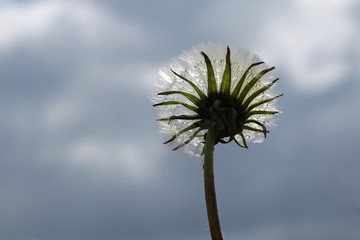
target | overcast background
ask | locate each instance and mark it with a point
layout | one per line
(80, 153)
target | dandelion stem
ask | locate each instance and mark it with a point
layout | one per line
(210, 194)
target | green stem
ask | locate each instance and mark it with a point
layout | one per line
(210, 194)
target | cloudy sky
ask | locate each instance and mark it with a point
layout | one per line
(81, 157)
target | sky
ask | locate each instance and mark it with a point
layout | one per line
(81, 157)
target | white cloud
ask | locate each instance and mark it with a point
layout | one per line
(71, 106)
(310, 40)
(94, 25)
(136, 76)
(134, 159)
(89, 87)
(23, 22)
(63, 112)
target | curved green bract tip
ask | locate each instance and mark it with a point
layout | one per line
(259, 112)
(188, 106)
(264, 130)
(212, 88)
(189, 139)
(257, 93)
(244, 145)
(196, 88)
(178, 117)
(259, 103)
(238, 86)
(249, 86)
(192, 126)
(226, 79)
(189, 96)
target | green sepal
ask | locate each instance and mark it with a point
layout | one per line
(189, 96)
(229, 140)
(192, 126)
(188, 106)
(189, 139)
(261, 112)
(263, 130)
(238, 86)
(196, 88)
(175, 117)
(259, 103)
(257, 93)
(248, 87)
(212, 88)
(226, 79)
(243, 139)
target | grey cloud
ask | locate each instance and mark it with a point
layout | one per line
(64, 94)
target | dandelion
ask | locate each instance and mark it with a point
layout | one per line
(212, 95)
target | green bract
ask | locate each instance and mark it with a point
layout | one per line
(215, 93)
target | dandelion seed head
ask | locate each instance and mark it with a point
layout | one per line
(242, 117)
